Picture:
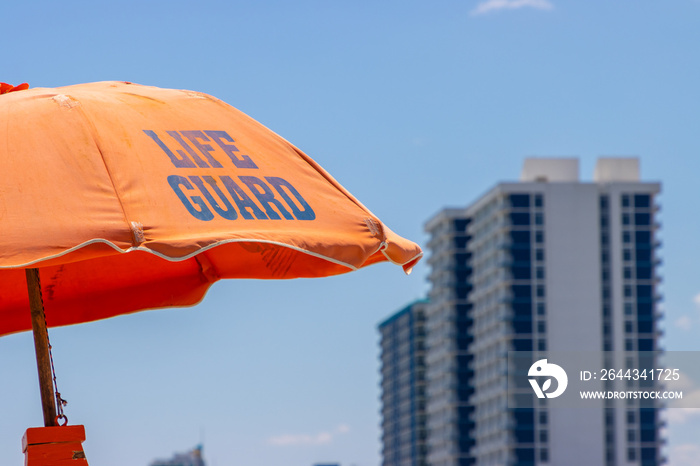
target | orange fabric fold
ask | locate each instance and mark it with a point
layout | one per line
(5, 88)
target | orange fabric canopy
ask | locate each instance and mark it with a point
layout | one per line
(130, 197)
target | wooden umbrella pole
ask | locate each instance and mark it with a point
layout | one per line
(41, 346)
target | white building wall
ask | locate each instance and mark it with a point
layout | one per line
(572, 264)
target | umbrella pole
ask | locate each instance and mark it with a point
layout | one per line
(41, 346)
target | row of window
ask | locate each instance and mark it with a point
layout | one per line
(525, 200)
(638, 201)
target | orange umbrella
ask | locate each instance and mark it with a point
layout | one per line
(128, 197)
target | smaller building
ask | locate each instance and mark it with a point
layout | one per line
(191, 458)
(403, 387)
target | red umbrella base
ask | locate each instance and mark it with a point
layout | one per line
(57, 446)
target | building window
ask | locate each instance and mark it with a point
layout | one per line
(645, 344)
(540, 309)
(643, 273)
(519, 200)
(642, 219)
(642, 237)
(544, 455)
(642, 201)
(541, 345)
(539, 236)
(625, 200)
(538, 200)
(631, 454)
(644, 292)
(609, 436)
(645, 326)
(519, 218)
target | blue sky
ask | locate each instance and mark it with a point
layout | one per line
(413, 106)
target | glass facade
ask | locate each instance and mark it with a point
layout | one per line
(640, 332)
(528, 314)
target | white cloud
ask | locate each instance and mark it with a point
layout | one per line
(696, 300)
(496, 5)
(343, 429)
(322, 438)
(677, 416)
(286, 440)
(684, 455)
(684, 323)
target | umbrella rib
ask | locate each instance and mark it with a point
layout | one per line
(95, 138)
(322, 171)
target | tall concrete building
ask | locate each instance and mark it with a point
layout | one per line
(548, 263)
(403, 387)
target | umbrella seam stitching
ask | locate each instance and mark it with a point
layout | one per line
(179, 259)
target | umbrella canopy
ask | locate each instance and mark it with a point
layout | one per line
(129, 197)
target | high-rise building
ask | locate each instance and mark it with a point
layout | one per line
(548, 263)
(403, 387)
